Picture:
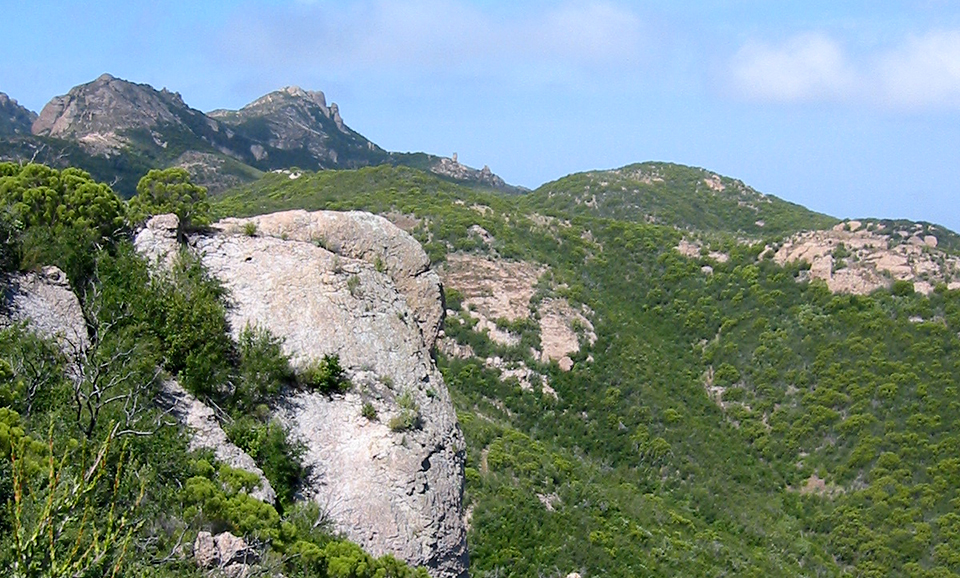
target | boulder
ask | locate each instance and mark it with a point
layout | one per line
(224, 551)
(157, 240)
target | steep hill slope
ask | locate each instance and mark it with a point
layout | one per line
(732, 417)
(677, 195)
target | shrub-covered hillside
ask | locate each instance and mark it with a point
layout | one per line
(677, 195)
(730, 419)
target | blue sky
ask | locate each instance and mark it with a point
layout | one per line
(851, 108)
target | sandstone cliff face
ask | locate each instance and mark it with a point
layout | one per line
(365, 295)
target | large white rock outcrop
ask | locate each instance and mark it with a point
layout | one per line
(354, 285)
(852, 258)
(364, 237)
(46, 303)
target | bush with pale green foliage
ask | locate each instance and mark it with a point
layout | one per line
(171, 191)
(324, 375)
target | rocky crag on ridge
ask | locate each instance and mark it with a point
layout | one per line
(353, 285)
(14, 119)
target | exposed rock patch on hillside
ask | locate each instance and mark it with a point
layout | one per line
(558, 336)
(850, 258)
(494, 290)
(394, 490)
(693, 250)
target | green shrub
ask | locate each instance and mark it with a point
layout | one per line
(268, 445)
(223, 507)
(194, 328)
(39, 196)
(353, 285)
(171, 191)
(452, 299)
(726, 375)
(368, 411)
(902, 288)
(347, 560)
(409, 416)
(263, 368)
(62, 218)
(324, 375)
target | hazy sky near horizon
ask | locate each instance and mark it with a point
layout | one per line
(851, 108)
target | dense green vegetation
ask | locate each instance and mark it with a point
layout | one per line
(733, 423)
(95, 479)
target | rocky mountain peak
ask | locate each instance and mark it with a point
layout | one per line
(141, 127)
(98, 113)
(451, 168)
(315, 96)
(14, 119)
(296, 120)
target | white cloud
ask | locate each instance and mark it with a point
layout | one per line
(920, 72)
(806, 67)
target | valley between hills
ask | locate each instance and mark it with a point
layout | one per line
(253, 343)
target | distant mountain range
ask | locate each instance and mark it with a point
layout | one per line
(117, 130)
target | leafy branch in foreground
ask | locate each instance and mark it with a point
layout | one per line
(59, 524)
